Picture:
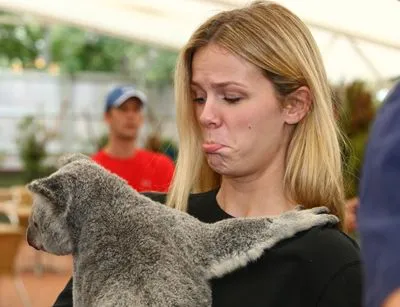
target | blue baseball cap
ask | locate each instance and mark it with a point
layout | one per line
(120, 94)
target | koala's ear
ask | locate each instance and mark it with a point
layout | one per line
(68, 158)
(54, 188)
(44, 187)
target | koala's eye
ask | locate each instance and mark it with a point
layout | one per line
(35, 224)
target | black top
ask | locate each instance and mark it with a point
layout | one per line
(319, 267)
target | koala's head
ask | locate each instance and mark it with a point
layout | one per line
(48, 229)
(53, 196)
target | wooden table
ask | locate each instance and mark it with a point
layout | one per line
(23, 213)
(7, 228)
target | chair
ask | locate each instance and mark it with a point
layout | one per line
(21, 196)
(22, 199)
(5, 194)
(9, 209)
(10, 239)
(18, 211)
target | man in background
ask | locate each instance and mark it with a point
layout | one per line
(379, 210)
(143, 170)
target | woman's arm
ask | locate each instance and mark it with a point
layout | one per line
(344, 289)
(64, 299)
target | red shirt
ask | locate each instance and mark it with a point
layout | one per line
(144, 170)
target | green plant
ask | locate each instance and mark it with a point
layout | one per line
(32, 141)
(74, 50)
(10, 178)
(166, 146)
(355, 114)
(101, 141)
(2, 157)
(169, 148)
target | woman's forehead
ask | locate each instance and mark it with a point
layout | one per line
(213, 64)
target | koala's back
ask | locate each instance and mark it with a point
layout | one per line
(149, 280)
(176, 291)
(141, 256)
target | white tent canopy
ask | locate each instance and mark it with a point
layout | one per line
(357, 38)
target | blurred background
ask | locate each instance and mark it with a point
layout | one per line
(59, 58)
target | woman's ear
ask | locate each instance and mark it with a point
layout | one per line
(297, 104)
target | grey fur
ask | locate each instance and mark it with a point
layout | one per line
(131, 251)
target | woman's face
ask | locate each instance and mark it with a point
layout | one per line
(242, 123)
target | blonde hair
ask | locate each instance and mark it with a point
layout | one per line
(279, 43)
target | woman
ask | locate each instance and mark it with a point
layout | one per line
(257, 137)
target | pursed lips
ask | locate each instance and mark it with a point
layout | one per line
(211, 147)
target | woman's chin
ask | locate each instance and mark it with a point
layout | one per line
(221, 167)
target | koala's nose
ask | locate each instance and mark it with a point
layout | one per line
(30, 239)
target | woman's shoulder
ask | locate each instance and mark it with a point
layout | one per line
(335, 265)
(326, 244)
(204, 206)
(196, 198)
(335, 239)
(156, 196)
(331, 260)
(327, 254)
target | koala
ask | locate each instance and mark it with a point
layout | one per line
(129, 250)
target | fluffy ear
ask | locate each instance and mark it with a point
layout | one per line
(42, 187)
(53, 188)
(71, 157)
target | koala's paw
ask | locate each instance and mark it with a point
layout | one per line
(308, 218)
(317, 210)
(318, 216)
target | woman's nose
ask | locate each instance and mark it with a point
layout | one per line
(210, 114)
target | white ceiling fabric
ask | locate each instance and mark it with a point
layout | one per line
(357, 38)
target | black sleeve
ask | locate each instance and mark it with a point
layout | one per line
(156, 196)
(64, 299)
(344, 289)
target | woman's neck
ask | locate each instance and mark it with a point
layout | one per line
(258, 196)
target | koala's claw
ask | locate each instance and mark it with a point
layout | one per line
(318, 210)
(316, 216)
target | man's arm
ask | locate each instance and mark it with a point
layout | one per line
(379, 211)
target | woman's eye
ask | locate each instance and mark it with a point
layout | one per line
(199, 100)
(232, 99)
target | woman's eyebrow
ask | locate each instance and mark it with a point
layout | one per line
(220, 84)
